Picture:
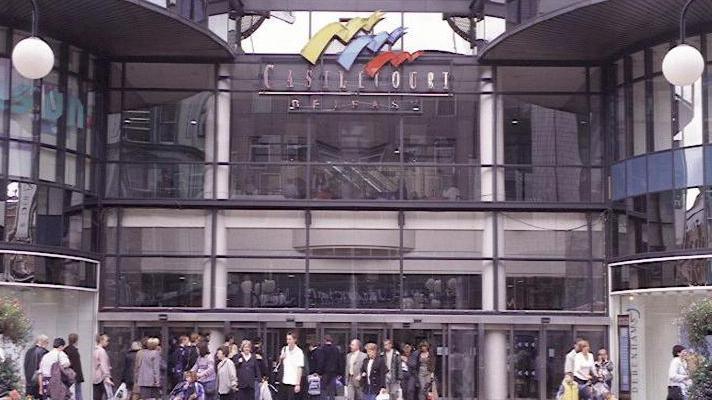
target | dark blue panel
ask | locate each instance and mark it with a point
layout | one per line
(660, 171)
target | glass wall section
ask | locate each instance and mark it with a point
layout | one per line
(552, 141)
(328, 146)
(155, 258)
(661, 274)
(264, 258)
(566, 274)
(160, 118)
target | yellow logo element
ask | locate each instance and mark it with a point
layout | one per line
(344, 32)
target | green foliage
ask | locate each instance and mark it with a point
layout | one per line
(701, 388)
(9, 376)
(14, 324)
(698, 322)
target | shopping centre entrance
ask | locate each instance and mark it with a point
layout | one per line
(535, 353)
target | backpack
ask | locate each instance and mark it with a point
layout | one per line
(59, 382)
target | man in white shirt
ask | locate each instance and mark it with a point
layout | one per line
(55, 355)
(292, 359)
(570, 358)
(352, 374)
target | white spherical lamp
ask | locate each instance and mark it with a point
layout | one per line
(33, 58)
(683, 65)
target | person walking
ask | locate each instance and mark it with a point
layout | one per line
(75, 364)
(248, 371)
(205, 369)
(226, 374)
(31, 366)
(584, 371)
(426, 370)
(678, 376)
(148, 371)
(373, 373)
(329, 367)
(409, 369)
(604, 368)
(127, 375)
(392, 358)
(102, 369)
(180, 360)
(570, 356)
(292, 360)
(56, 355)
(352, 372)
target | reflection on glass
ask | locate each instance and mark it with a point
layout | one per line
(48, 164)
(21, 106)
(548, 285)
(268, 181)
(265, 290)
(161, 282)
(52, 107)
(75, 113)
(159, 180)
(24, 268)
(675, 273)
(447, 292)
(352, 182)
(354, 291)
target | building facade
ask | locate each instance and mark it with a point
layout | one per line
(453, 180)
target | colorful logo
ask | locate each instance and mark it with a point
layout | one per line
(347, 32)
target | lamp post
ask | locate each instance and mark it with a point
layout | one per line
(683, 64)
(32, 57)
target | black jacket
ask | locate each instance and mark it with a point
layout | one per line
(248, 372)
(377, 378)
(32, 361)
(395, 367)
(74, 362)
(330, 361)
(314, 361)
(127, 375)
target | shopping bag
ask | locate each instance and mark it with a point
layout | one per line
(121, 393)
(265, 393)
(383, 396)
(314, 385)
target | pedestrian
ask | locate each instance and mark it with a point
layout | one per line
(75, 364)
(393, 369)
(604, 368)
(329, 367)
(180, 360)
(205, 369)
(102, 369)
(127, 375)
(292, 362)
(148, 371)
(248, 371)
(31, 366)
(54, 356)
(409, 369)
(570, 356)
(190, 389)
(678, 376)
(373, 373)
(258, 350)
(426, 370)
(352, 371)
(584, 371)
(226, 374)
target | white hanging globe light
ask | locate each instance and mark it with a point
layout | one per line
(33, 58)
(683, 65)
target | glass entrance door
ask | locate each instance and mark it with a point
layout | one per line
(432, 337)
(462, 362)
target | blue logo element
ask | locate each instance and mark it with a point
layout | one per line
(371, 42)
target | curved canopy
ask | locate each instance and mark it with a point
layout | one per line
(119, 29)
(591, 31)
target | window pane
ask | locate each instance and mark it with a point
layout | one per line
(263, 40)
(662, 113)
(70, 169)
(20, 160)
(548, 285)
(161, 282)
(21, 106)
(265, 283)
(565, 233)
(48, 164)
(429, 31)
(75, 113)
(52, 107)
(354, 290)
(688, 167)
(660, 171)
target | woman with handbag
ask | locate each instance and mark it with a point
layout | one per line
(226, 375)
(205, 368)
(584, 371)
(373, 373)
(148, 371)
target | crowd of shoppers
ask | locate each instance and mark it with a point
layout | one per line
(54, 373)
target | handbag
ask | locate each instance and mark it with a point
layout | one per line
(314, 385)
(278, 371)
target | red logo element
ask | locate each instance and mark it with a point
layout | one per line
(392, 57)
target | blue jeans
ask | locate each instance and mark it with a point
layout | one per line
(78, 391)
